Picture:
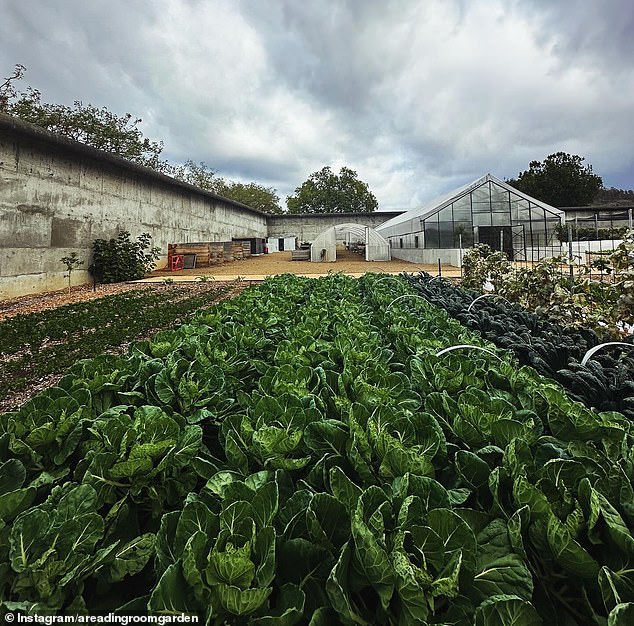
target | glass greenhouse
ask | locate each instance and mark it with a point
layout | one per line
(486, 211)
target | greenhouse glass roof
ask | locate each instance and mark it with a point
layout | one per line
(436, 205)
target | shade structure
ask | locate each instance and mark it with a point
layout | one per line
(324, 247)
(488, 210)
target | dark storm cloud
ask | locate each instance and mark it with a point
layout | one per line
(417, 97)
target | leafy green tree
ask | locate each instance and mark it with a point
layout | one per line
(252, 194)
(102, 129)
(200, 175)
(560, 180)
(7, 88)
(91, 125)
(121, 259)
(327, 192)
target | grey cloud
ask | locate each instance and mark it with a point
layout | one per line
(417, 97)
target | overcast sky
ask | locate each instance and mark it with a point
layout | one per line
(417, 96)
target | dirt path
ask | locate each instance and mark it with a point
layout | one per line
(258, 267)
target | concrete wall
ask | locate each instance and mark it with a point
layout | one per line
(447, 256)
(306, 226)
(57, 196)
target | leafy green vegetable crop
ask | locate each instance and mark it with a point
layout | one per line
(36, 345)
(299, 455)
(606, 382)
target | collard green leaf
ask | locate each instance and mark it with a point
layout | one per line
(194, 562)
(12, 476)
(621, 615)
(264, 555)
(411, 589)
(287, 609)
(453, 532)
(373, 561)
(165, 540)
(506, 610)
(446, 584)
(232, 566)
(472, 469)
(338, 589)
(131, 557)
(195, 517)
(344, 489)
(568, 553)
(172, 595)
(240, 601)
(431, 493)
(27, 539)
(15, 502)
(79, 535)
(265, 504)
(505, 575)
(326, 437)
(327, 522)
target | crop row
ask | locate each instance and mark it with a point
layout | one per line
(301, 455)
(36, 345)
(605, 382)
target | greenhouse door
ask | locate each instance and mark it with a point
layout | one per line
(498, 237)
(519, 245)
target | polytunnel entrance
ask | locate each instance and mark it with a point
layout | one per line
(354, 237)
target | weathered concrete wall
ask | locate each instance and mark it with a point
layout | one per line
(306, 226)
(57, 196)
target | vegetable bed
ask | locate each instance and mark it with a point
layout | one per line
(37, 345)
(605, 382)
(299, 455)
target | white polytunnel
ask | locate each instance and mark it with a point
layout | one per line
(324, 247)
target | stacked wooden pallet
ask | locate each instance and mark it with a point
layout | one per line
(237, 250)
(206, 253)
(300, 255)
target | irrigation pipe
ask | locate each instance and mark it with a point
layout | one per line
(466, 345)
(588, 355)
(487, 295)
(407, 295)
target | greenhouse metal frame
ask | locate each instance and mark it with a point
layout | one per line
(489, 211)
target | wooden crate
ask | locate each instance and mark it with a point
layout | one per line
(216, 254)
(300, 255)
(208, 253)
(237, 251)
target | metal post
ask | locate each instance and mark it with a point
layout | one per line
(460, 246)
(629, 219)
(439, 268)
(501, 240)
(572, 275)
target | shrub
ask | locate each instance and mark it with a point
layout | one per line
(481, 265)
(121, 259)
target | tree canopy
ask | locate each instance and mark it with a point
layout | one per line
(252, 194)
(327, 192)
(560, 180)
(94, 126)
(102, 129)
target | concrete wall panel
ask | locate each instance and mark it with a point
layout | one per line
(57, 196)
